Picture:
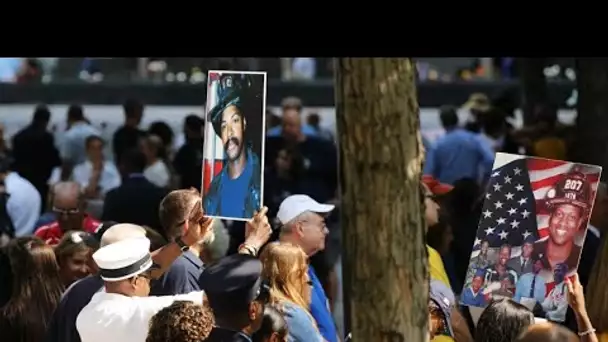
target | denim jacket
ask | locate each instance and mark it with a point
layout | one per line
(252, 201)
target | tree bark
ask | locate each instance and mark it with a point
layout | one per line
(386, 278)
(533, 85)
(591, 144)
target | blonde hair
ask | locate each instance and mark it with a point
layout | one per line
(285, 267)
(596, 289)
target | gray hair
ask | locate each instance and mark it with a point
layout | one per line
(218, 242)
(287, 227)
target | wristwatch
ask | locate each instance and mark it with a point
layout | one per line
(182, 246)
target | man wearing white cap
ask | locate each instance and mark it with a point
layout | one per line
(122, 312)
(303, 223)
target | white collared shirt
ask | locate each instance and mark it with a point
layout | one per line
(23, 205)
(111, 317)
(109, 179)
(158, 174)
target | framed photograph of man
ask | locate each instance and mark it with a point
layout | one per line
(531, 232)
(233, 149)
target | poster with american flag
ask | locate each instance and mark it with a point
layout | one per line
(531, 232)
(233, 147)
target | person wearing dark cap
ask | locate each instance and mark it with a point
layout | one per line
(569, 202)
(188, 161)
(237, 294)
(236, 190)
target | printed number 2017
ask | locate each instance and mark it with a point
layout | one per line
(573, 184)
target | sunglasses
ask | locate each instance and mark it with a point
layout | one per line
(61, 211)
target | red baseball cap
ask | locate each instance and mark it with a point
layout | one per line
(436, 187)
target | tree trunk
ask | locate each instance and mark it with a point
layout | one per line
(591, 144)
(386, 278)
(533, 85)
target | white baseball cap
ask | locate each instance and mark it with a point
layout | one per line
(295, 205)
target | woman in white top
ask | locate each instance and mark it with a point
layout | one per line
(156, 171)
(96, 175)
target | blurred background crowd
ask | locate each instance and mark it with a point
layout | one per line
(194, 70)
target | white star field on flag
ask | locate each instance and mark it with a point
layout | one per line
(507, 214)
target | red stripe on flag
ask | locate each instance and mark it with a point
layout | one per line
(543, 164)
(549, 181)
(207, 178)
(545, 173)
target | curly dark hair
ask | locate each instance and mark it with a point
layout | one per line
(182, 321)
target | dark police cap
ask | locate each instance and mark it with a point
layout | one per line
(231, 90)
(102, 229)
(232, 279)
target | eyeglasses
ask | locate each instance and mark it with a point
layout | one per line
(62, 211)
(320, 224)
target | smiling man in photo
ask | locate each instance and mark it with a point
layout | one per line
(569, 205)
(236, 191)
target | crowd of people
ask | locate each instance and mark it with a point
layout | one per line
(100, 247)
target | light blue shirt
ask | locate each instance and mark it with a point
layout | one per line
(524, 286)
(23, 204)
(308, 131)
(459, 154)
(300, 325)
(9, 68)
(73, 146)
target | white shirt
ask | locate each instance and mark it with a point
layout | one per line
(73, 146)
(158, 174)
(110, 177)
(23, 205)
(111, 317)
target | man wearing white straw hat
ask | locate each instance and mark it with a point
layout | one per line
(122, 312)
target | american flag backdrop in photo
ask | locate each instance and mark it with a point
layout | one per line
(514, 206)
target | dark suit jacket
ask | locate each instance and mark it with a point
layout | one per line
(35, 156)
(515, 264)
(135, 201)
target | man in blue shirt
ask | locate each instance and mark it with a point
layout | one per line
(303, 224)
(473, 295)
(179, 209)
(531, 285)
(291, 106)
(459, 153)
(235, 192)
